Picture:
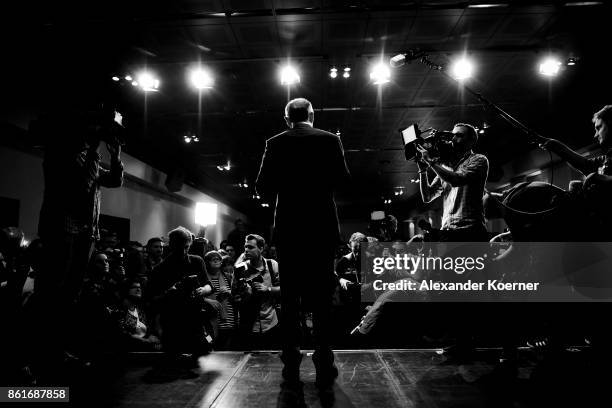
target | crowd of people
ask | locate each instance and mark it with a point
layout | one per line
(185, 296)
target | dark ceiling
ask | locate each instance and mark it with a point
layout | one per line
(60, 53)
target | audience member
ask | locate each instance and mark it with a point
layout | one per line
(257, 289)
(178, 288)
(220, 278)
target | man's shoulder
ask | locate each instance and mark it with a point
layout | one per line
(477, 159)
(310, 131)
(273, 262)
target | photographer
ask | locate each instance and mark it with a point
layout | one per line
(460, 181)
(257, 290)
(69, 215)
(178, 288)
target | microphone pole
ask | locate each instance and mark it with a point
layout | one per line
(533, 136)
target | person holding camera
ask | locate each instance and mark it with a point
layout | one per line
(178, 289)
(68, 223)
(460, 181)
(257, 291)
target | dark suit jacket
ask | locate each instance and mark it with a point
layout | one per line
(300, 169)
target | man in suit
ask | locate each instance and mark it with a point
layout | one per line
(301, 168)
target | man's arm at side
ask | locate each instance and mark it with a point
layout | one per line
(266, 184)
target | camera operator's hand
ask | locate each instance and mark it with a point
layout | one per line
(344, 283)
(425, 156)
(260, 287)
(203, 290)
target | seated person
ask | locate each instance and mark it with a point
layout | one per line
(131, 321)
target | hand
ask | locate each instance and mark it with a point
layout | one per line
(344, 283)
(259, 287)
(223, 293)
(596, 182)
(425, 156)
(200, 291)
(544, 142)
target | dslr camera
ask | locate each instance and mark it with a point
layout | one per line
(437, 143)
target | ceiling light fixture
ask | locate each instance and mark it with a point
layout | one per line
(380, 74)
(289, 76)
(201, 79)
(550, 67)
(148, 82)
(462, 69)
(333, 73)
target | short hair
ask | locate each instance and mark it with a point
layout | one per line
(210, 255)
(358, 237)
(604, 114)
(226, 261)
(180, 234)
(261, 242)
(154, 240)
(297, 110)
(471, 131)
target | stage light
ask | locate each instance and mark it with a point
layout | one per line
(380, 74)
(333, 73)
(462, 69)
(289, 76)
(187, 139)
(225, 167)
(128, 78)
(201, 79)
(206, 214)
(148, 82)
(550, 67)
(134, 83)
(347, 72)
(265, 205)
(571, 61)
(115, 78)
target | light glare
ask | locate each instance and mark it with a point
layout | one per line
(550, 67)
(289, 75)
(206, 214)
(462, 69)
(380, 74)
(201, 79)
(148, 82)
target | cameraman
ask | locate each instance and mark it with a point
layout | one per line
(68, 223)
(257, 291)
(178, 288)
(461, 184)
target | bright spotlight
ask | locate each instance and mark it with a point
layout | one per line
(462, 69)
(550, 67)
(148, 82)
(289, 76)
(206, 214)
(115, 78)
(128, 77)
(201, 79)
(380, 74)
(333, 72)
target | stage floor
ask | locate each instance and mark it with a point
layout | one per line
(368, 378)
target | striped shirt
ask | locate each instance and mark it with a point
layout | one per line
(230, 319)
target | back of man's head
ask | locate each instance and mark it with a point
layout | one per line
(299, 110)
(180, 235)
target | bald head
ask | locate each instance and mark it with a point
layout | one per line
(299, 110)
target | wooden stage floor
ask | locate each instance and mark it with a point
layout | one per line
(368, 378)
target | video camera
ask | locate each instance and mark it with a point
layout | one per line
(437, 143)
(103, 122)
